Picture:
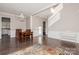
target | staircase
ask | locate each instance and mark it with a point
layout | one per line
(55, 16)
(65, 36)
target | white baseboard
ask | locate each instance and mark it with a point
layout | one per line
(68, 36)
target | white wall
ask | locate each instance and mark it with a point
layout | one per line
(68, 23)
(28, 23)
(16, 22)
(69, 19)
(36, 22)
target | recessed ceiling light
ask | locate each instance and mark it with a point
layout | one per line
(52, 10)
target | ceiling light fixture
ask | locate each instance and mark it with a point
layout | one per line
(21, 15)
(52, 10)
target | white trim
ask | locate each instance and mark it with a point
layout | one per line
(31, 23)
(69, 36)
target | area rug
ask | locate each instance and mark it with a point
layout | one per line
(37, 50)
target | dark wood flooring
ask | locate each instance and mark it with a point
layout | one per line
(10, 45)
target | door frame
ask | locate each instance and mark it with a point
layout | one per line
(2, 25)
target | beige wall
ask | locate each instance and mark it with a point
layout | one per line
(69, 19)
(16, 23)
(28, 23)
(36, 22)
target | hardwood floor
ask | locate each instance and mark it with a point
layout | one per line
(10, 45)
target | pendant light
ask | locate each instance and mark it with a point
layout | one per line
(21, 15)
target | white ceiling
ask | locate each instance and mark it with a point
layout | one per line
(26, 8)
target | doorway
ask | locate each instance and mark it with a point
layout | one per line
(44, 28)
(5, 28)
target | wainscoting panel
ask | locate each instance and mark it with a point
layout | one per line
(66, 36)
